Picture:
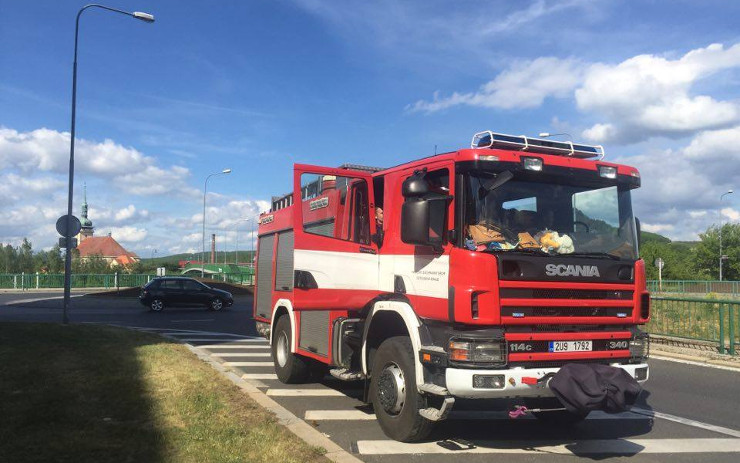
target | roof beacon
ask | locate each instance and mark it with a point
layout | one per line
(490, 139)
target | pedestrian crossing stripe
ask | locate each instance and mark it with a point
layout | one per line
(578, 447)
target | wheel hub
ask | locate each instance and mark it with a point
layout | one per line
(282, 349)
(391, 389)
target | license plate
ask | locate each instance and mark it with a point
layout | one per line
(570, 346)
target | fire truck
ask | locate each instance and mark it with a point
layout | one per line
(473, 274)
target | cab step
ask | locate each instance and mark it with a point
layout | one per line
(346, 375)
(432, 414)
(434, 389)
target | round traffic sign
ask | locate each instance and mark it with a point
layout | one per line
(62, 226)
(659, 262)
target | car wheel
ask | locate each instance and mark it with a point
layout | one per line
(289, 368)
(216, 304)
(156, 305)
(396, 401)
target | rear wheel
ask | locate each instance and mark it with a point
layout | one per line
(290, 368)
(156, 305)
(396, 401)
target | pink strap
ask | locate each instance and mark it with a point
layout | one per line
(520, 411)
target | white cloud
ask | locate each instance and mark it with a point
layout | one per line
(682, 188)
(128, 234)
(525, 84)
(650, 95)
(731, 214)
(658, 227)
(131, 171)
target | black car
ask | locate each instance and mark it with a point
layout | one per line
(182, 291)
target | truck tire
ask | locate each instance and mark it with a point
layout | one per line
(290, 368)
(393, 392)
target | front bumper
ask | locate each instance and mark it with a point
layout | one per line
(460, 381)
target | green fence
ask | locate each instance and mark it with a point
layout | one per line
(713, 320)
(694, 286)
(26, 281)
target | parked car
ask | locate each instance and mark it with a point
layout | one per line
(181, 291)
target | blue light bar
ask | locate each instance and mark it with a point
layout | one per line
(490, 139)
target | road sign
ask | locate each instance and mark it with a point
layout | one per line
(659, 263)
(62, 226)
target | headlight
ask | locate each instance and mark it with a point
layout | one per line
(477, 351)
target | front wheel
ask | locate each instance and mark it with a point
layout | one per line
(396, 400)
(216, 304)
(289, 368)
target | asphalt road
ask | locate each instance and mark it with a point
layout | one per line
(686, 413)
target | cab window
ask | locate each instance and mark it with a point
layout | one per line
(336, 207)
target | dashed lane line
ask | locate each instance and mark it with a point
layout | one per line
(259, 376)
(579, 447)
(305, 393)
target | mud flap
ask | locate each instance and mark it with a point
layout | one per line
(585, 387)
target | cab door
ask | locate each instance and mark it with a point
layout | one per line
(335, 257)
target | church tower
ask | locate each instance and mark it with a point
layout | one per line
(87, 226)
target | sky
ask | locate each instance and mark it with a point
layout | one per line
(256, 86)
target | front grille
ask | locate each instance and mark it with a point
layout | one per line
(524, 312)
(559, 363)
(541, 293)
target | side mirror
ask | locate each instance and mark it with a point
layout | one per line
(423, 220)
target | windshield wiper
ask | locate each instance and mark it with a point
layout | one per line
(592, 254)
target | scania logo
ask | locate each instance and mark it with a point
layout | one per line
(572, 270)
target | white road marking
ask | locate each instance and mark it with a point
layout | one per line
(691, 362)
(305, 393)
(243, 364)
(216, 347)
(687, 422)
(39, 299)
(255, 364)
(338, 415)
(220, 340)
(579, 447)
(240, 354)
(259, 376)
(226, 346)
(504, 415)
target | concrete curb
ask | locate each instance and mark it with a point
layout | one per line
(730, 363)
(297, 426)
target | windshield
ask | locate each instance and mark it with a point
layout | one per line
(548, 218)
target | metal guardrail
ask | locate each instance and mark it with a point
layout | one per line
(694, 286)
(26, 281)
(713, 320)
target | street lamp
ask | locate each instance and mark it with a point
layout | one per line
(146, 17)
(721, 257)
(203, 253)
(548, 135)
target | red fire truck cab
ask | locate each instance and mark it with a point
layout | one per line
(472, 274)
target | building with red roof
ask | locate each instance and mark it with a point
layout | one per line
(103, 246)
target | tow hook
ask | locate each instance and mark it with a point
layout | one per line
(542, 381)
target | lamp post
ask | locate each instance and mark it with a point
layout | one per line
(721, 257)
(146, 17)
(205, 190)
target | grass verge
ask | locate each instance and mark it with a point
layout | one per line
(94, 393)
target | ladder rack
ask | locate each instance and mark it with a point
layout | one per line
(488, 139)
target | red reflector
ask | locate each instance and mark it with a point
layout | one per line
(529, 380)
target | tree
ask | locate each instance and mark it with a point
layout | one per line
(707, 252)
